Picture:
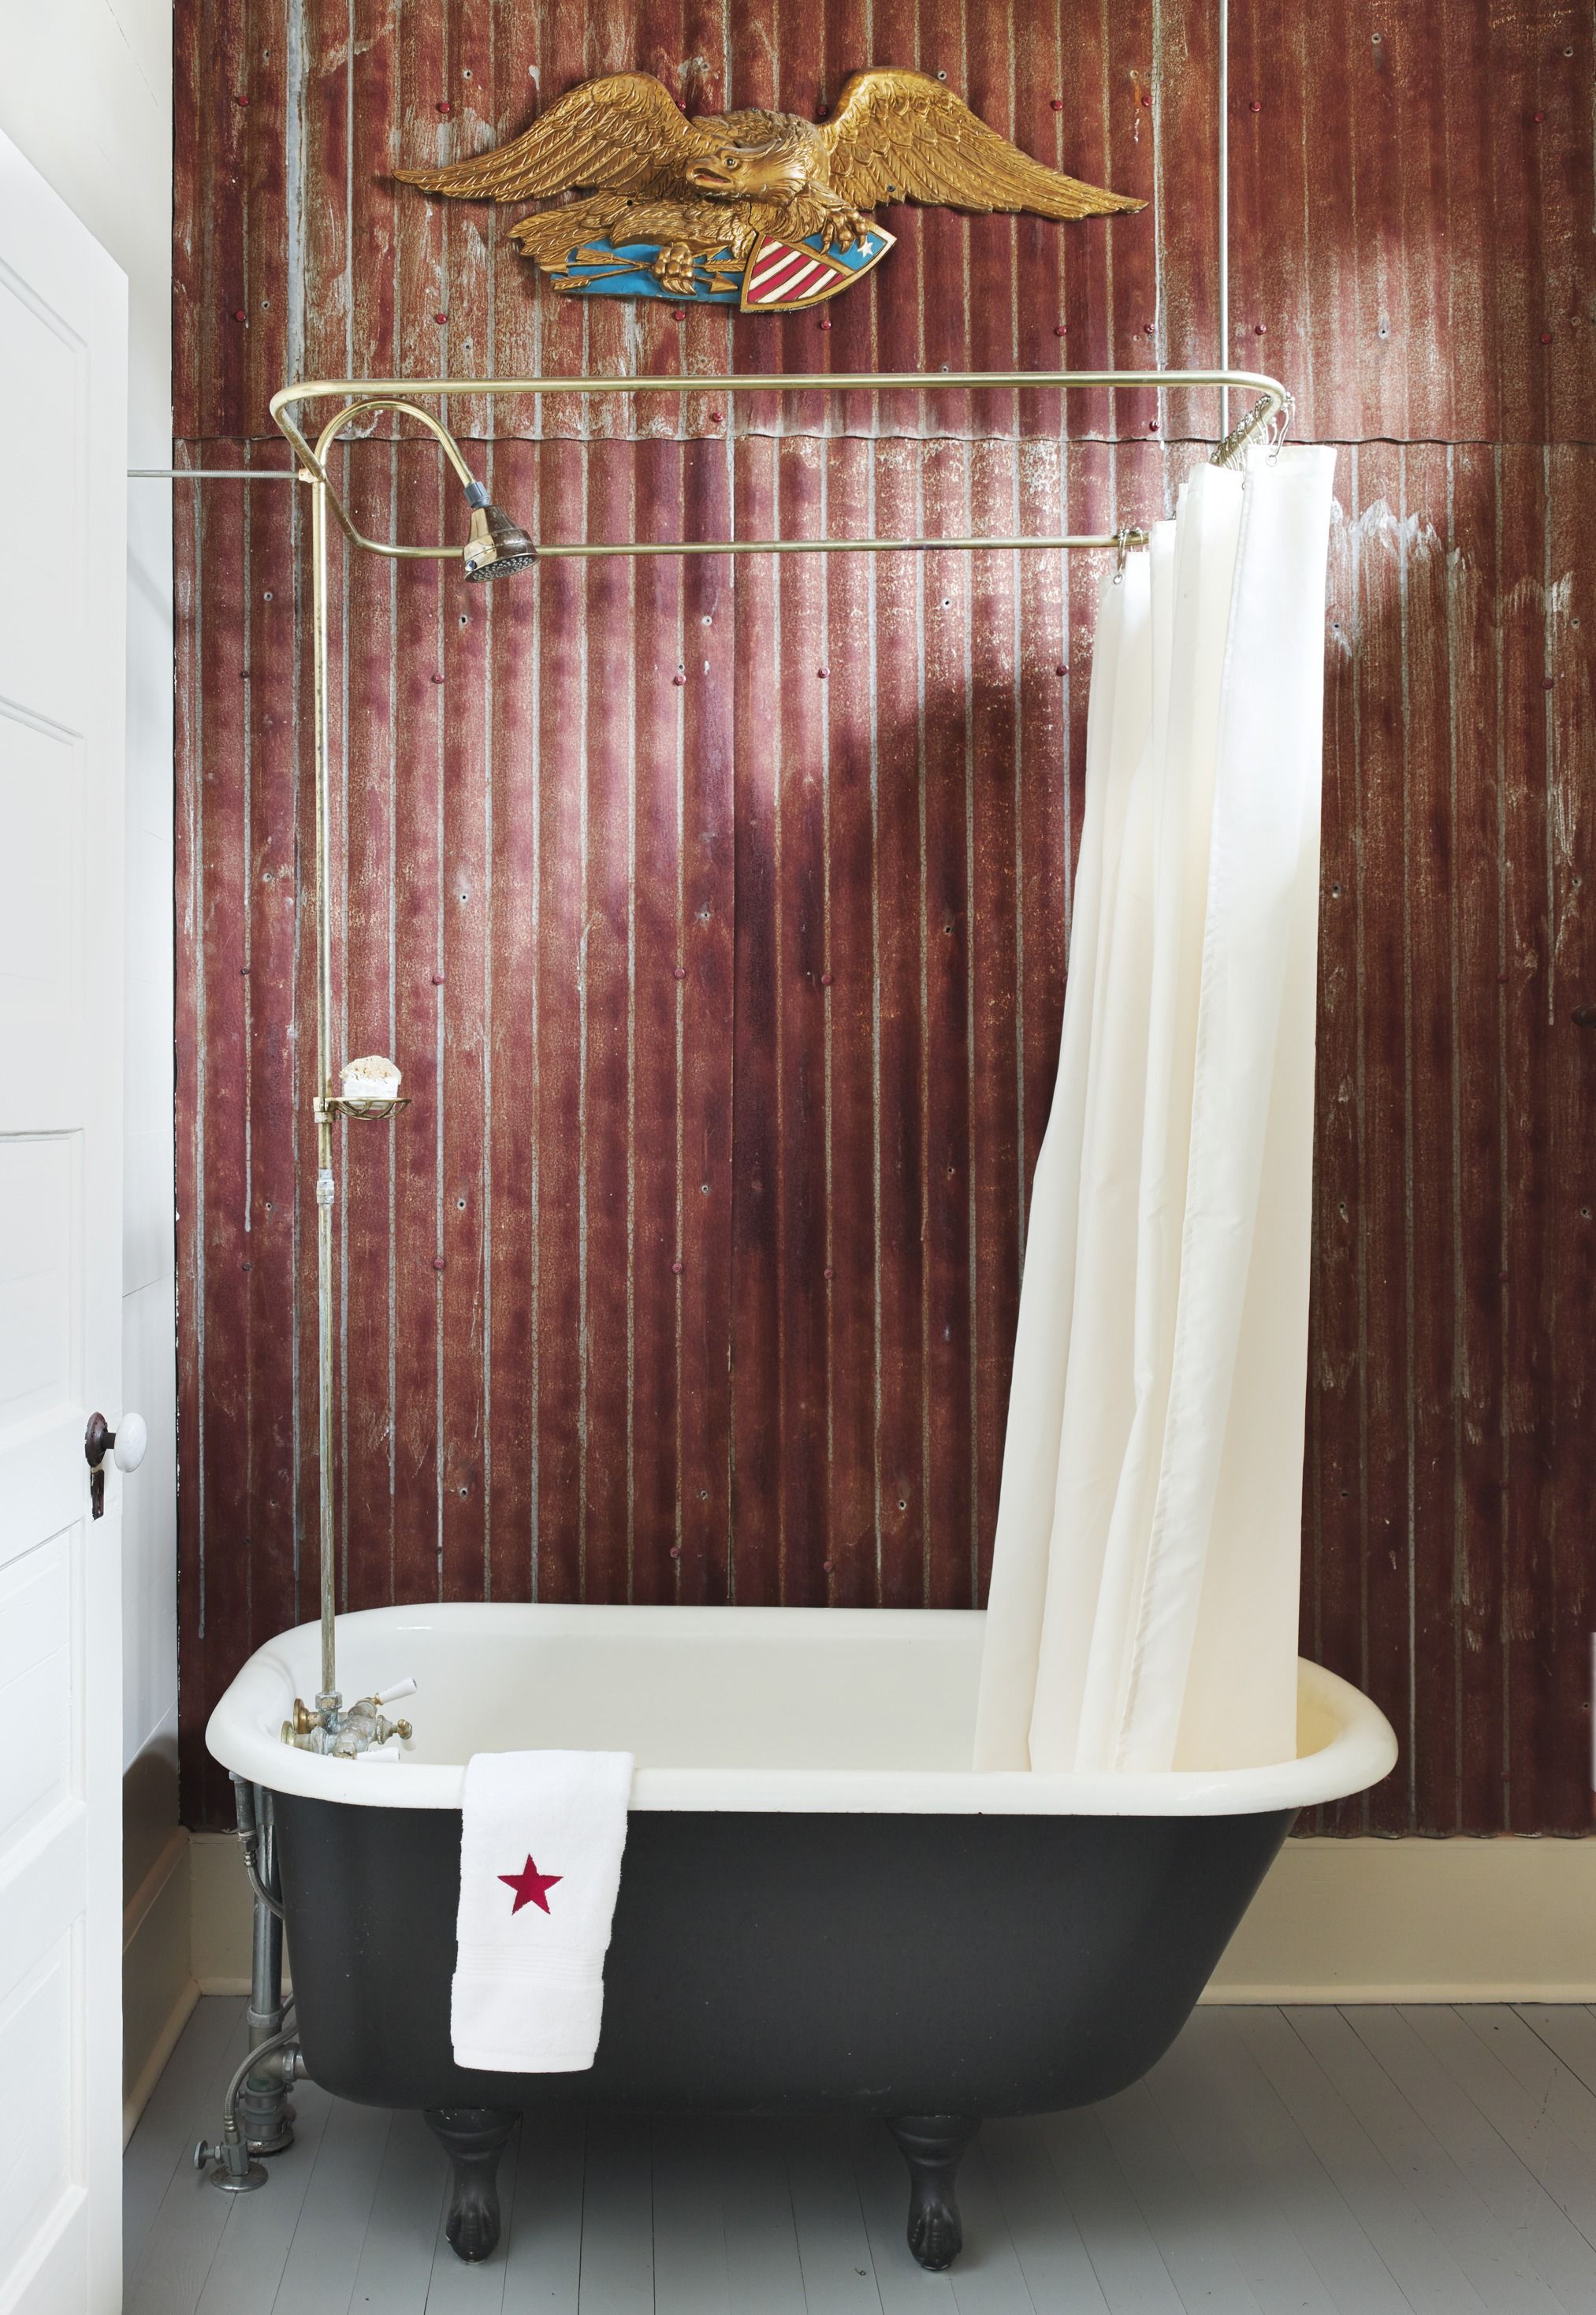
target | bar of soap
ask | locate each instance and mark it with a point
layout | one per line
(371, 1079)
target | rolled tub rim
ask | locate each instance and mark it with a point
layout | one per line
(242, 1734)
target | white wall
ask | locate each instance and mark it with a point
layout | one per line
(86, 95)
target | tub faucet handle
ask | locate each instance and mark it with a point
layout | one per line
(405, 1687)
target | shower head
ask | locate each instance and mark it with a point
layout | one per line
(497, 545)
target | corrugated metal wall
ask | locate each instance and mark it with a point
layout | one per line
(717, 917)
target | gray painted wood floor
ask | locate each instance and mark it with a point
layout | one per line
(1365, 2160)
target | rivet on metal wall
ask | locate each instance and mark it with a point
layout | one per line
(827, 979)
(437, 679)
(437, 1262)
(437, 980)
(1255, 106)
(1060, 669)
(678, 676)
(1060, 329)
(1057, 102)
(678, 1267)
(679, 972)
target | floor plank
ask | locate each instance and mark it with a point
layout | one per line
(618, 2265)
(395, 2262)
(1130, 2269)
(1188, 2230)
(689, 2219)
(1235, 2190)
(543, 2253)
(319, 2278)
(191, 2217)
(763, 2267)
(1525, 2115)
(1053, 2259)
(1377, 2197)
(1270, 2146)
(1478, 2137)
(1496, 2262)
(833, 2239)
(177, 2115)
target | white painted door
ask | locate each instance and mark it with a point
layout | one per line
(63, 443)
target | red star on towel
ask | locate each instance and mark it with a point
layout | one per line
(529, 1885)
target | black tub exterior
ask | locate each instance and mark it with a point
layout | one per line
(777, 1964)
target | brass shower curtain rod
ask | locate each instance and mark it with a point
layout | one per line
(1271, 403)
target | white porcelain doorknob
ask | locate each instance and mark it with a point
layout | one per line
(132, 1437)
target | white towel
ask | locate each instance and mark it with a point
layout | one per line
(541, 1836)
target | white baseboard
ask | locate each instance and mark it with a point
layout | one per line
(1506, 1919)
(1335, 1921)
(158, 1987)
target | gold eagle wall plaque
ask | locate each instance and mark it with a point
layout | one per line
(762, 210)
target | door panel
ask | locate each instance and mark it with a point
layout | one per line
(63, 369)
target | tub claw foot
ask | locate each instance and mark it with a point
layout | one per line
(931, 2145)
(474, 2137)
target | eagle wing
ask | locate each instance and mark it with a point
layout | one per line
(900, 135)
(624, 133)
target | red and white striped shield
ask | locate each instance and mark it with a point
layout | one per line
(782, 276)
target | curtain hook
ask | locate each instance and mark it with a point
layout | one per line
(1121, 549)
(1282, 426)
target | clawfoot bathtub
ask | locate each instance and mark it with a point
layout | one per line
(821, 1907)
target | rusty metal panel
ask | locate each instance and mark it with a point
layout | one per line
(727, 989)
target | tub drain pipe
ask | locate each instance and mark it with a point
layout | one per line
(258, 2104)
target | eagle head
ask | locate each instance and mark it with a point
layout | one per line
(761, 157)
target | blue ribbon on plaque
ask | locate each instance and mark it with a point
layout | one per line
(778, 277)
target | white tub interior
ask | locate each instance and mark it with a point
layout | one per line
(730, 1707)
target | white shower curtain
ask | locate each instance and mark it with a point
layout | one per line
(1143, 1606)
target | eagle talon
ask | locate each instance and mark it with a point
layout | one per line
(673, 269)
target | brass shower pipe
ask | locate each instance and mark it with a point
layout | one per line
(496, 545)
